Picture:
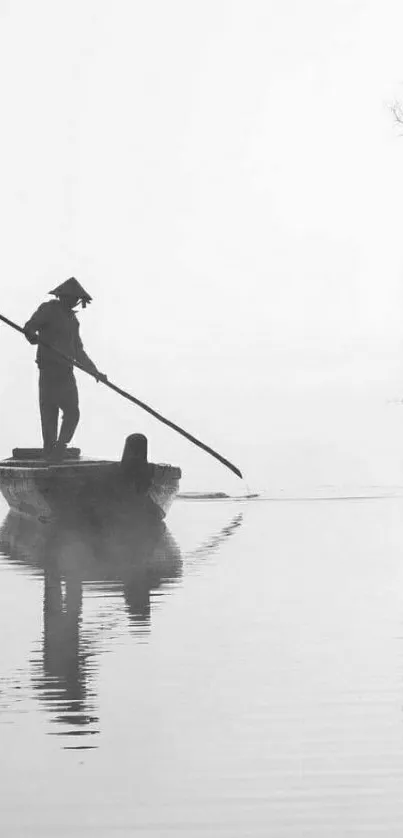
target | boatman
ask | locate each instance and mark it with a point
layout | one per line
(56, 324)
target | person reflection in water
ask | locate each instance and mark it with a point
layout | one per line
(77, 561)
(56, 324)
(131, 561)
(65, 662)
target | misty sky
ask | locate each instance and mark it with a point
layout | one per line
(225, 179)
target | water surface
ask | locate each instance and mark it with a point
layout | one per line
(236, 673)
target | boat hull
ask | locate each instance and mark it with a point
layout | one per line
(92, 488)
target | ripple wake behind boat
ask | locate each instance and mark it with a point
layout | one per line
(214, 496)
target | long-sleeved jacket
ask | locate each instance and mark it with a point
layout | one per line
(58, 326)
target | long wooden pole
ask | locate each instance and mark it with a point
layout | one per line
(136, 401)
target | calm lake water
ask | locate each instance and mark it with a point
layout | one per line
(239, 673)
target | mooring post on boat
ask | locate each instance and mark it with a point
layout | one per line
(135, 450)
(134, 462)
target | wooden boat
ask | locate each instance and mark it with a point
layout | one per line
(33, 486)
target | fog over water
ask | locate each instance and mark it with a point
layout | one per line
(225, 179)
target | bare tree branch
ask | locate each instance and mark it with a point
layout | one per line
(396, 109)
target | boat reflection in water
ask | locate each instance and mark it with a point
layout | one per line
(116, 570)
(127, 562)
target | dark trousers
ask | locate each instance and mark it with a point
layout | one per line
(58, 392)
